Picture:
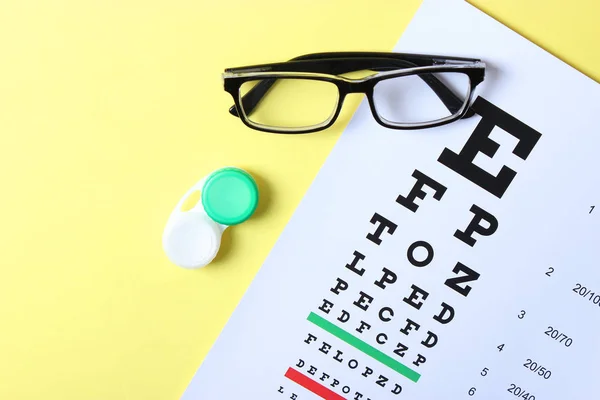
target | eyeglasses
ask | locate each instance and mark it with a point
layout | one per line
(306, 94)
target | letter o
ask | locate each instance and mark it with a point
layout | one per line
(355, 364)
(346, 389)
(411, 251)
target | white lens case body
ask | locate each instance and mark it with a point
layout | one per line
(191, 239)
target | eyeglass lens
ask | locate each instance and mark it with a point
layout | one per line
(410, 99)
(292, 103)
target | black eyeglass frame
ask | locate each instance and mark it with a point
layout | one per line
(327, 66)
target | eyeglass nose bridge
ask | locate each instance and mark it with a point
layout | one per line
(357, 87)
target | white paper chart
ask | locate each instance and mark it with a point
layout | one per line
(460, 262)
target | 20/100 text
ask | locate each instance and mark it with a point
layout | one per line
(586, 293)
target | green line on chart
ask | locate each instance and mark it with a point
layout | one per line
(364, 347)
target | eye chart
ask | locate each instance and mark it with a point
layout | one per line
(460, 262)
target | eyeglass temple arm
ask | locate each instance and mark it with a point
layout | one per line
(378, 61)
(251, 99)
(405, 60)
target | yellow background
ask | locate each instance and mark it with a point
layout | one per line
(109, 111)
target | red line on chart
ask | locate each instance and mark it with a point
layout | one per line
(311, 385)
